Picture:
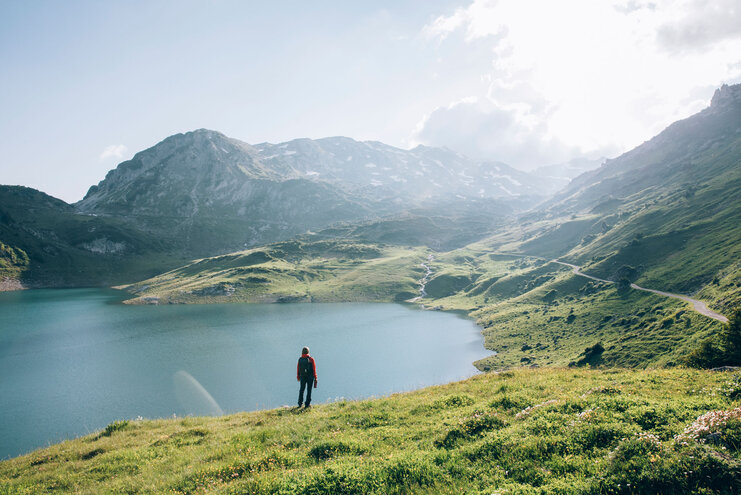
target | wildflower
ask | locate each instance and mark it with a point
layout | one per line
(707, 424)
(529, 409)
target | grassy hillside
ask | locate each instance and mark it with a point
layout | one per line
(665, 214)
(44, 243)
(525, 431)
(292, 271)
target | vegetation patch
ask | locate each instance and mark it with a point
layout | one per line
(329, 450)
(115, 427)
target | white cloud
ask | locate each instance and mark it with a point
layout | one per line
(582, 76)
(699, 24)
(114, 151)
(484, 130)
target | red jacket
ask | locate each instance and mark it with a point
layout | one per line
(311, 362)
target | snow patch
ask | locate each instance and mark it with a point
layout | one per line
(370, 165)
(496, 176)
(507, 190)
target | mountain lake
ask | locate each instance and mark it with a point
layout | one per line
(74, 360)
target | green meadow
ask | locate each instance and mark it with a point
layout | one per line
(556, 430)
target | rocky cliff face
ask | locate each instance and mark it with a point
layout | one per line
(726, 97)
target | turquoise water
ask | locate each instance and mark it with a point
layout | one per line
(74, 360)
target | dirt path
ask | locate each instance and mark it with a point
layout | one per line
(423, 281)
(698, 306)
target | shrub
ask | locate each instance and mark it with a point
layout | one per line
(114, 427)
(643, 465)
(328, 450)
(453, 401)
(592, 355)
(470, 428)
(723, 349)
(719, 427)
(601, 435)
(510, 402)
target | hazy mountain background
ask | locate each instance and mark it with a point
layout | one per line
(202, 193)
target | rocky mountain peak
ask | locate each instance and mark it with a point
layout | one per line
(726, 96)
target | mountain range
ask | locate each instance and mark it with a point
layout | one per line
(202, 193)
(215, 193)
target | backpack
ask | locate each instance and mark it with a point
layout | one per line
(304, 367)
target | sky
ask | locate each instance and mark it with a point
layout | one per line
(87, 84)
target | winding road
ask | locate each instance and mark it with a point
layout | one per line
(698, 306)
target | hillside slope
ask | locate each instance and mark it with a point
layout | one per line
(665, 215)
(528, 431)
(46, 243)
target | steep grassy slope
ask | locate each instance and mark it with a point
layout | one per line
(665, 215)
(527, 431)
(47, 244)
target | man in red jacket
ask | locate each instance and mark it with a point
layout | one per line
(306, 374)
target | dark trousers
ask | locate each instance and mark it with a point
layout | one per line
(306, 383)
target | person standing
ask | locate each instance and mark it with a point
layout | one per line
(306, 374)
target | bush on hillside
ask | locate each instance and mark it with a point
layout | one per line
(722, 349)
(592, 356)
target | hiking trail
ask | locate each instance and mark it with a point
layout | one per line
(697, 305)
